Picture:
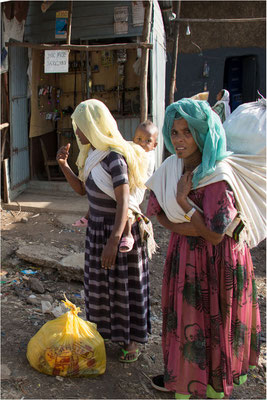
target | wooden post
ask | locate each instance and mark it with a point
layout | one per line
(69, 22)
(177, 9)
(79, 47)
(88, 75)
(6, 181)
(3, 127)
(82, 54)
(144, 61)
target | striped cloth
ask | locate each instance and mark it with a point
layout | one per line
(117, 300)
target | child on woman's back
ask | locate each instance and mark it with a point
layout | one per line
(146, 135)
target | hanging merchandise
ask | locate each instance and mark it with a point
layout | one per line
(95, 68)
(137, 66)
(121, 75)
(121, 56)
(206, 70)
(61, 24)
(188, 32)
(58, 92)
(68, 346)
(107, 58)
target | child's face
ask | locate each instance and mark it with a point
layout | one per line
(145, 139)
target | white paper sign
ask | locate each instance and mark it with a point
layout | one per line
(120, 27)
(121, 14)
(138, 12)
(56, 61)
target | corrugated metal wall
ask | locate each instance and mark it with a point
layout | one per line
(91, 20)
(19, 161)
(127, 126)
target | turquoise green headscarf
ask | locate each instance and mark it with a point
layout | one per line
(206, 128)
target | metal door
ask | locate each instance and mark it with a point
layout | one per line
(233, 81)
(249, 78)
(19, 171)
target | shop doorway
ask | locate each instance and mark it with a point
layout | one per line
(241, 79)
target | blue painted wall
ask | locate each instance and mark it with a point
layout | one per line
(190, 68)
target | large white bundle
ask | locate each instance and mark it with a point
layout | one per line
(245, 128)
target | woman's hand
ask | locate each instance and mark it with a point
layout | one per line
(109, 254)
(184, 187)
(63, 154)
(74, 181)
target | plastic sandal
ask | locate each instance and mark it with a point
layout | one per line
(123, 358)
(126, 244)
(81, 222)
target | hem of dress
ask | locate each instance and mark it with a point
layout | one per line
(211, 393)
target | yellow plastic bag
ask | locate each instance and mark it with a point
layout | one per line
(68, 346)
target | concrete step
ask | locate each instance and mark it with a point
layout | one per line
(43, 196)
(63, 187)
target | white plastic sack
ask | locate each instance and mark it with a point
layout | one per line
(245, 129)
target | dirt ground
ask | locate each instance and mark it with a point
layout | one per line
(21, 319)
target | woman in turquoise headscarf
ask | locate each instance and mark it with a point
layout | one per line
(211, 323)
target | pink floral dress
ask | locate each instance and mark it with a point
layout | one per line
(211, 321)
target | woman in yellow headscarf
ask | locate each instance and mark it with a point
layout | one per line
(116, 284)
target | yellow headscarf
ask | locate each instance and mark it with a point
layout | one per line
(98, 125)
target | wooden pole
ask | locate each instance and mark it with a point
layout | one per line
(177, 9)
(6, 181)
(3, 127)
(144, 61)
(88, 75)
(69, 22)
(82, 54)
(80, 47)
(4, 114)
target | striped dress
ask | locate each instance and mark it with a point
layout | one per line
(117, 299)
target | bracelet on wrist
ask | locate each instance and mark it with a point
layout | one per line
(189, 214)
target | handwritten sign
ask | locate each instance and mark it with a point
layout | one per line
(56, 61)
(121, 14)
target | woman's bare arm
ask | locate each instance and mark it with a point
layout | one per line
(186, 229)
(110, 250)
(62, 159)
